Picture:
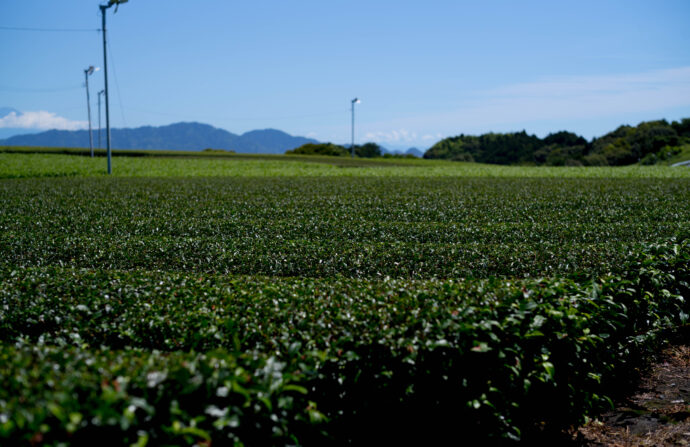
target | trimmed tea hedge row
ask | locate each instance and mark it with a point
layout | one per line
(70, 396)
(319, 259)
(97, 346)
(417, 228)
(438, 358)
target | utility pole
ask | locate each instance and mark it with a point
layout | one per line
(87, 72)
(100, 145)
(352, 147)
(104, 8)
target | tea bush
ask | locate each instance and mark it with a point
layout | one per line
(499, 357)
(315, 311)
(421, 228)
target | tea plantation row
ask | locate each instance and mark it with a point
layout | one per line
(286, 311)
(414, 228)
(175, 358)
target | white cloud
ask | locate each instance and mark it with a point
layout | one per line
(393, 136)
(40, 120)
(569, 86)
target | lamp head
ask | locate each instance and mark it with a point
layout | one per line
(117, 4)
(356, 101)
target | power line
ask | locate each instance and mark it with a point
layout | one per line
(37, 90)
(117, 85)
(236, 118)
(51, 30)
(289, 117)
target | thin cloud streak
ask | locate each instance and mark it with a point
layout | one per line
(578, 97)
(566, 99)
(40, 120)
(606, 84)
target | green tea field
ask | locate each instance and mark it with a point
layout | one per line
(257, 301)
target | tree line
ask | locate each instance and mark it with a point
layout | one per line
(367, 150)
(647, 143)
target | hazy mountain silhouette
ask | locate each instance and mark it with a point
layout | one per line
(414, 151)
(4, 111)
(178, 136)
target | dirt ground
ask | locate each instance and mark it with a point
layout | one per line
(657, 414)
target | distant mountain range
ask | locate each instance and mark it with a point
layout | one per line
(414, 151)
(178, 136)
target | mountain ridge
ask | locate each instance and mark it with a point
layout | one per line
(188, 136)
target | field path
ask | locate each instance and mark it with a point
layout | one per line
(657, 414)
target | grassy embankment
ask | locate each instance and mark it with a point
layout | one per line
(54, 162)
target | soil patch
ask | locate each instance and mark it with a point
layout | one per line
(657, 414)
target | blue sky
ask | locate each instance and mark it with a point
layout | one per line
(423, 70)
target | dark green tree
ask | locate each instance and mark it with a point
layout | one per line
(368, 150)
(319, 149)
(564, 138)
(682, 128)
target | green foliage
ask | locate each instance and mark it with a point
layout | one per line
(497, 358)
(628, 145)
(682, 155)
(353, 227)
(624, 146)
(368, 150)
(682, 127)
(493, 148)
(554, 155)
(59, 395)
(397, 155)
(595, 160)
(28, 163)
(267, 306)
(562, 149)
(319, 149)
(564, 139)
(664, 154)
(217, 151)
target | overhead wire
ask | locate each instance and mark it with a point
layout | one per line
(4, 88)
(117, 84)
(50, 30)
(257, 118)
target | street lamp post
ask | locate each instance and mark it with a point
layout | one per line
(352, 147)
(89, 71)
(104, 8)
(100, 146)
